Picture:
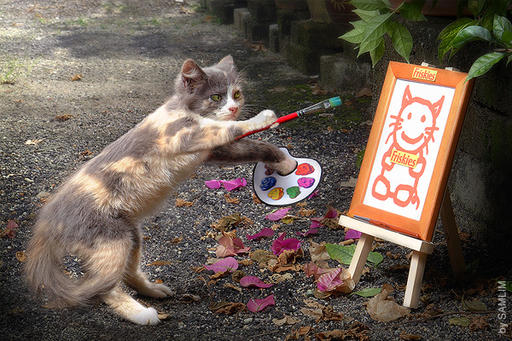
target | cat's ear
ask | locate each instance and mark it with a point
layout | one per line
(407, 97)
(436, 107)
(227, 64)
(192, 75)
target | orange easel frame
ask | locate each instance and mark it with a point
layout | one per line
(424, 227)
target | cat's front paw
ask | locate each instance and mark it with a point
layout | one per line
(145, 316)
(264, 119)
(156, 291)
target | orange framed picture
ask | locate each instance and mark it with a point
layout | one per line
(410, 149)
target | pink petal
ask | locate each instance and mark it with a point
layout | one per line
(314, 194)
(254, 281)
(230, 247)
(239, 246)
(308, 232)
(226, 264)
(230, 185)
(213, 184)
(266, 232)
(256, 305)
(331, 213)
(311, 269)
(278, 215)
(281, 244)
(315, 223)
(352, 234)
(329, 281)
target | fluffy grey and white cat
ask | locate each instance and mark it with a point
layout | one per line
(96, 213)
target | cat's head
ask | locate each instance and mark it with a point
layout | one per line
(213, 91)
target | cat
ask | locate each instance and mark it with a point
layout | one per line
(404, 162)
(96, 213)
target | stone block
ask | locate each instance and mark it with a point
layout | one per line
(316, 35)
(263, 11)
(339, 73)
(273, 38)
(240, 18)
(305, 58)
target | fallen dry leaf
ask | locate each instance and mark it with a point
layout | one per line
(409, 337)
(232, 286)
(163, 316)
(21, 256)
(228, 308)
(262, 257)
(383, 308)
(77, 77)
(478, 323)
(298, 334)
(364, 92)
(304, 212)
(357, 331)
(278, 278)
(62, 118)
(159, 263)
(231, 200)
(33, 142)
(183, 203)
(285, 320)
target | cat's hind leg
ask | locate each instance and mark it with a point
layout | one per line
(125, 306)
(135, 278)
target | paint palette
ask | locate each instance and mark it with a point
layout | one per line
(277, 190)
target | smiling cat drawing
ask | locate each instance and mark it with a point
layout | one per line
(404, 162)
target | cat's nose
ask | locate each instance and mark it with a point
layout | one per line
(233, 109)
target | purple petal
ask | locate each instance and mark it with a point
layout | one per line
(213, 184)
(281, 244)
(329, 281)
(352, 234)
(230, 185)
(278, 215)
(315, 223)
(256, 305)
(331, 213)
(266, 232)
(308, 232)
(226, 264)
(254, 281)
(314, 194)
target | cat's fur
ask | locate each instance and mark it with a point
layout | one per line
(96, 213)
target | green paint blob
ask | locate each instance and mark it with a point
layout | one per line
(293, 192)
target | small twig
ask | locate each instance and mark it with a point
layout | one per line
(451, 313)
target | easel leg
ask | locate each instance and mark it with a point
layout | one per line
(452, 237)
(363, 248)
(416, 270)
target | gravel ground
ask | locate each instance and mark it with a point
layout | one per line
(78, 74)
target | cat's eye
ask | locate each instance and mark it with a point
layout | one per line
(216, 97)
(237, 95)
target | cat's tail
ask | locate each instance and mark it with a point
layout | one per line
(44, 270)
(105, 266)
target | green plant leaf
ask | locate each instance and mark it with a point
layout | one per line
(375, 257)
(470, 33)
(356, 35)
(374, 32)
(459, 321)
(370, 5)
(500, 25)
(341, 253)
(365, 15)
(509, 59)
(508, 284)
(476, 6)
(484, 64)
(401, 38)
(449, 33)
(377, 53)
(412, 10)
(368, 292)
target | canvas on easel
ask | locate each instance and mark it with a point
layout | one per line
(407, 162)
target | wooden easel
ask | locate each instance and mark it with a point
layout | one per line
(420, 249)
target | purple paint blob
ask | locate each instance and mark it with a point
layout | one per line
(305, 182)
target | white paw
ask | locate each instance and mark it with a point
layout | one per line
(268, 116)
(145, 316)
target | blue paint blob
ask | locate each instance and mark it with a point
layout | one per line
(267, 183)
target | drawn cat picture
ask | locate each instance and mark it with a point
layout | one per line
(404, 162)
(96, 214)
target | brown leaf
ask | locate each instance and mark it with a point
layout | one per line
(159, 263)
(356, 331)
(228, 308)
(255, 199)
(303, 212)
(285, 320)
(77, 77)
(21, 256)
(409, 337)
(231, 221)
(384, 309)
(478, 323)
(364, 92)
(10, 229)
(319, 254)
(262, 257)
(231, 200)
(298, 334)
(177, 240)
(237, 275)
(183, 203)
(62, 118)
(232, 286)
(163, 316)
